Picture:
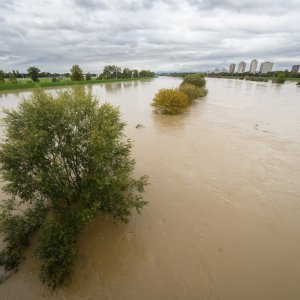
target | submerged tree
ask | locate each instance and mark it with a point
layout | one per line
(170, 101)
(66, 162)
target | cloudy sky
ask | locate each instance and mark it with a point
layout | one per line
(162, 35)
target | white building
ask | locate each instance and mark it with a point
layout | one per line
(242, 67)
(253, 66)
(232, 68)
(266, 67)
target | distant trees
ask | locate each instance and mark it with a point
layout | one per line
(88, 76)
(76, 73)
(195, 79)
(33, 73)
(12, 78)
(115, 72)
(2, 77)
(279, 78)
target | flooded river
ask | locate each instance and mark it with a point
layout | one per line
(223, 219)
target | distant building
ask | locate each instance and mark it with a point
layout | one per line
(217, 71)
(266, 67)
(253, 66)
(232, 68)
(242, 67)
(224, 70)
(295, 68)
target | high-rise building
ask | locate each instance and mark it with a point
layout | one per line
(242, 67)
(295, 68)
(231, 68)
(266, 67)
(253, 66)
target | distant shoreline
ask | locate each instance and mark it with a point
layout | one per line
(12, 87)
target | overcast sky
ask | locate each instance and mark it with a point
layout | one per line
(162, 35)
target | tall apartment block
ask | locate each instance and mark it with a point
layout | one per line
(253, 66)
(295, 68)
(266, 67)
(242, 67)
(232, 68)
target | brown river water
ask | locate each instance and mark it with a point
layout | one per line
(223, 219)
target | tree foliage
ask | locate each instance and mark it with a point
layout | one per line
(195, 79)
(193, 92)
(76, 73)
(170, 101)
(279, 78)
(66, 162)
(2, 77)
(33, 73)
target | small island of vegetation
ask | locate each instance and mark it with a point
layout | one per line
(174, 101)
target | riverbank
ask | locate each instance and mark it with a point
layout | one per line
(253, 78)
(64, 83)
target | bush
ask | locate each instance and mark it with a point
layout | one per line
(65, 159)
(193, 92)
(170, 101)
(279, 78)
(54, 79)
(195, 79)
(88, 76)
(298, 83)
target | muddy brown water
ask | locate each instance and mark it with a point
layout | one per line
(223, 219)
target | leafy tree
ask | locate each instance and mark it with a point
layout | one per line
(33, 73)
(193, 92)
(76, 73)
(195, 79)
(66, 163)
(2, 77)
(170, 101)
(88, 76)
(12, 78)
(279, 78)
(127, 73)
(135, 73)
(111, 72)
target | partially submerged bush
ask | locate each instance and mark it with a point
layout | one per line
(279, 78)
(193, 92)
(65, 159)
(170, 101)
(298, 83)
(195, 79)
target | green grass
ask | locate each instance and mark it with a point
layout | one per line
(46, 83)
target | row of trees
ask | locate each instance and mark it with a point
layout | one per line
(76, 74)
(174, 101)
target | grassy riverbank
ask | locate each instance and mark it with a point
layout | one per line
(46, 83)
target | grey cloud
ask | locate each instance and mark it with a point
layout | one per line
(164, 34)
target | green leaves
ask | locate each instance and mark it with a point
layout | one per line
(65, 160)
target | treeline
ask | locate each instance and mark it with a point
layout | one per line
(115, 72)
(287, 74)
(75, 74)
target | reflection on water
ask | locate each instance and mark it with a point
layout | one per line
(223, 216)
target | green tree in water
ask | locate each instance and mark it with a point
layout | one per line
(65, 162)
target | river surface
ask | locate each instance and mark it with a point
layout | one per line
(223, 219)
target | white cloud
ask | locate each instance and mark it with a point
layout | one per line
(161, 35)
